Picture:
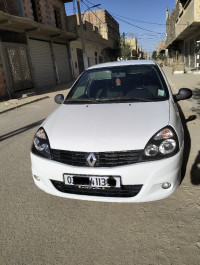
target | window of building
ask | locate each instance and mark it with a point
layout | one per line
(35, 8)
(88, 61)
(57, 16)
(3, 6)
(95, 57)
(100, 59)
(48, 14)
(185, 3)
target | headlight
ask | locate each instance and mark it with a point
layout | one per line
(163, 144)
(167, 147)
(41, 144)
(151, 150)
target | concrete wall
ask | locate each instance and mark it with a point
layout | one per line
(90, 32)
(90, 53)
(186, 17)
(170, 24)
(197, 10)
(181, 18)
(94, 41)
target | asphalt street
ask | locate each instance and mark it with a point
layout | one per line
(38, 228)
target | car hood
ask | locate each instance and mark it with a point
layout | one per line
(105, 127)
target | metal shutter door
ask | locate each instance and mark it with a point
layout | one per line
(42, 63)
(62, 63)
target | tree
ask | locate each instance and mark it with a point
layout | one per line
(125, 50)
(161, 56)
(113, 53)
(154, 55)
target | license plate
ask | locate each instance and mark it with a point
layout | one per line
(92, 181)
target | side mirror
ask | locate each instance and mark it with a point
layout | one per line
(184, 93)
(59, 98)
(191, 118)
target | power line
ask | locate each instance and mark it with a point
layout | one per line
(140, 21)
(137, 26)
(147, 30)
(92, 11)
(98, 17)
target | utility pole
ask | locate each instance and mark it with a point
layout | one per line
(123, 37)
(82, 36)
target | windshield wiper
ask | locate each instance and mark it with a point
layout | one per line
(105, 100)
(124, 99)
(80, 100)
(139, 99)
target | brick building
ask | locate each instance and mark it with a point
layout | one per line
(101, 39)
(107, 26)
(161, 47)
(134, 47)
(34, 45)
(140, 53)
(183, 33)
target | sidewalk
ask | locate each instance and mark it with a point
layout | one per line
(187, 80)
(192, 145)
(31, 96)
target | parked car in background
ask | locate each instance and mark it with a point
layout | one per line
(117, 136)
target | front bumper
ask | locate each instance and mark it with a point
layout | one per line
(150, 175)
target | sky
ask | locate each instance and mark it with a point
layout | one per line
(141, 19)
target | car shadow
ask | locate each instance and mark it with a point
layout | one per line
(20, 130)
(22, 105)
(187, 142)
(195, 171)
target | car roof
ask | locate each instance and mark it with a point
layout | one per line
(124, 63)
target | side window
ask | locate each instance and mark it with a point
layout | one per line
(82, 88)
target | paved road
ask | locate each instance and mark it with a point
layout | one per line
(37, 228)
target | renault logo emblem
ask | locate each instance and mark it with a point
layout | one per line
(91, 159)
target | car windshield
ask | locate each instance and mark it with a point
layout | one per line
(119, 84)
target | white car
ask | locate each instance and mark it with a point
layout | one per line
(116, 137)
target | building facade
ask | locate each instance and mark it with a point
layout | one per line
(34, 45)
(100, 42)
(161, 47)
(134, 47)
(107, 26)
(183, 34)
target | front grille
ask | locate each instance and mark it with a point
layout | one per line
(124, 191)
(104, 159)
